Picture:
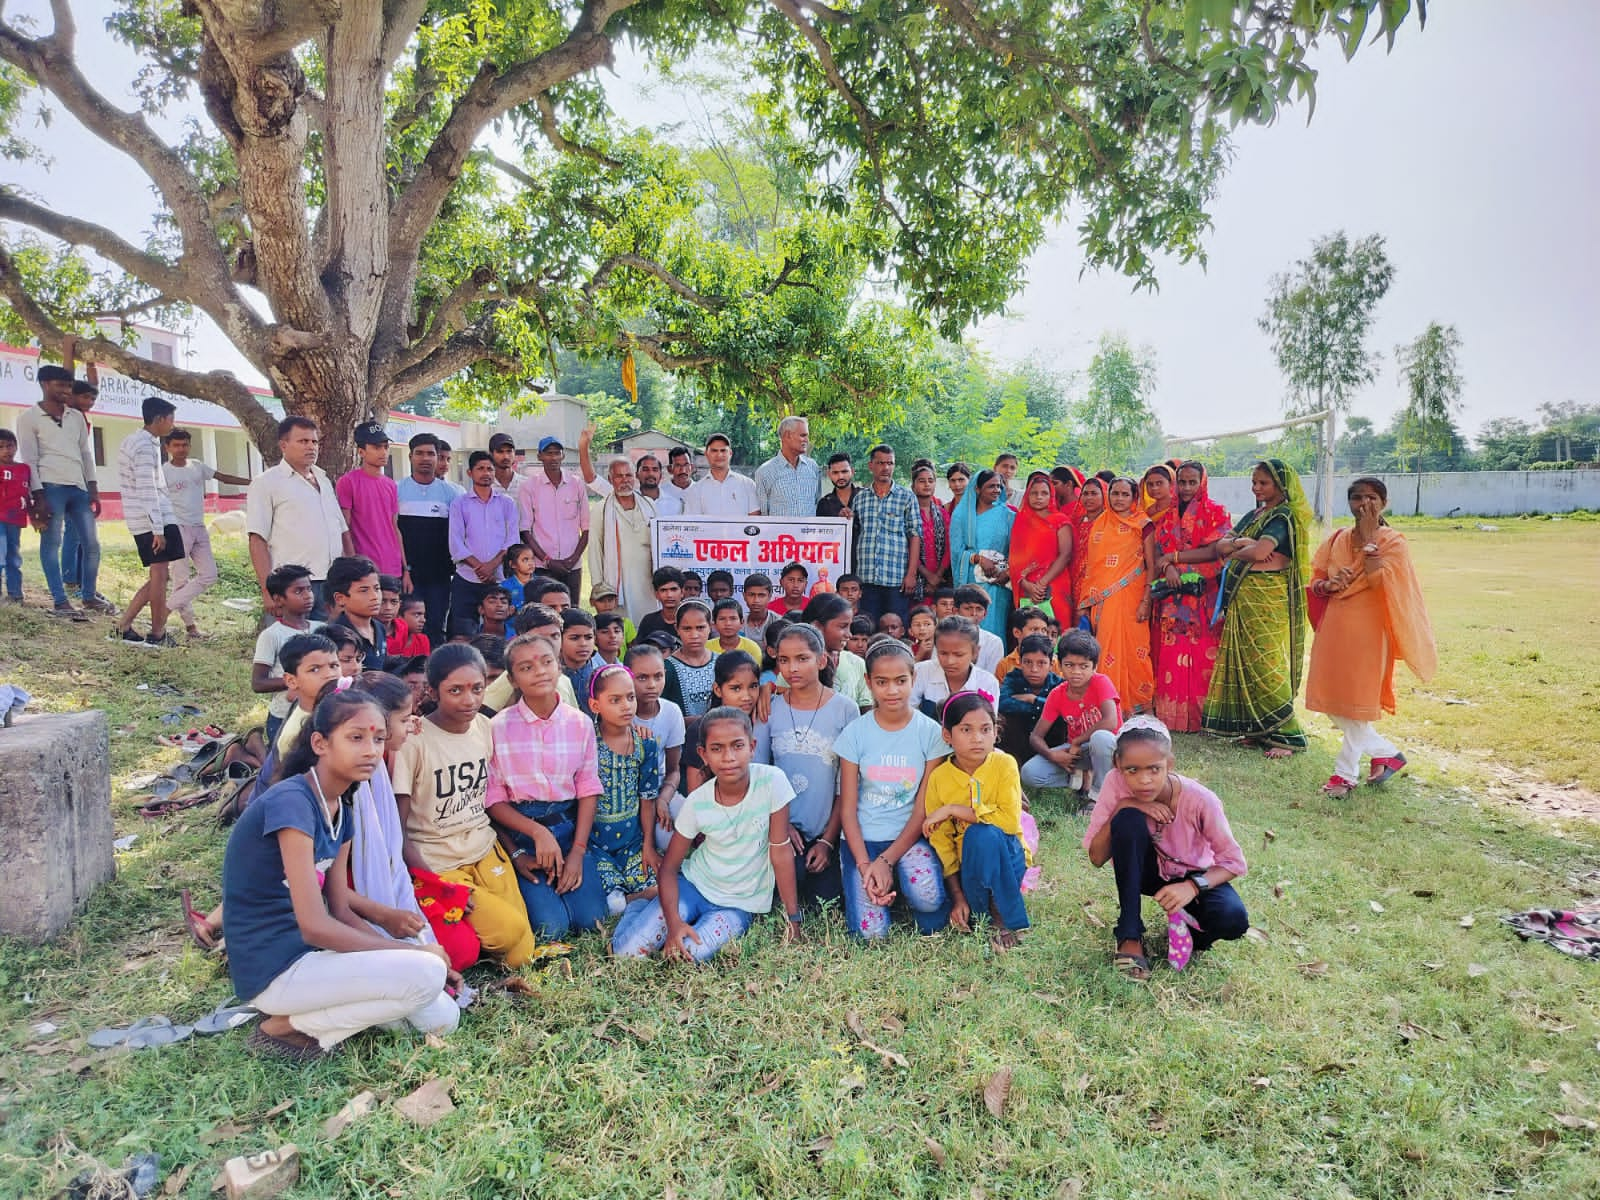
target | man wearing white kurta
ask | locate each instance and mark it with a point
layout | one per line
(622, 553)
(723, 492)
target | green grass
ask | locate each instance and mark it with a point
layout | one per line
(1252, 1075)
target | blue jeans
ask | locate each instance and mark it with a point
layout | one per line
(554, 914)
(69, 507)
(1219, 910)
(643, 928)
(1040, 772)
(992, 866)
(921, 880)
(877, 600)
(11, 553)
(71, 559)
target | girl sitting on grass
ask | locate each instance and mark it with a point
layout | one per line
(974, 821)
(709, 898)
(735, 683)
(297, 951)
(886, 758)
(1167, 837)
(953, 668)
(630, 778)
(690, 667)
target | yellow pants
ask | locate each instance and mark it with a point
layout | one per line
(498, 916)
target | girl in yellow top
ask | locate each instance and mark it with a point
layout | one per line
(974, 821)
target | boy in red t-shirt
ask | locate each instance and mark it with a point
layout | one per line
(16, 509)
(1076, 735)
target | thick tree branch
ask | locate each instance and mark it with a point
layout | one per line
(269, 28)
(656, 271)
(147, 268)
(456, 355)
(400, 21)
(447, 319)
(220, 387)
(655, 346)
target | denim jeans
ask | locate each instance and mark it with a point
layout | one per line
(1040, 772)
(554, 914)
(877, 600)
(436, 599)
(992, 866)
(823, 886)
(11, 556)
(921, 884)
(69, 506)
(464, 597)
(643, 928)
(1219, 911)
(71, 558)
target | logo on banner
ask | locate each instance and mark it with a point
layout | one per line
(676, 549)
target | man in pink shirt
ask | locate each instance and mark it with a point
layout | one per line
(554, 511)
(1166, 837)
(370, 503)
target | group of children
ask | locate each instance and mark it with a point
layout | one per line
(559, 770)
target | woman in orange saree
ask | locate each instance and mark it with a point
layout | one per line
(1186, 640)
(1115, 595)
(1374, 618)
(1041, 550)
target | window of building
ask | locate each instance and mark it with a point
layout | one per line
(99, 445)
(161, 352)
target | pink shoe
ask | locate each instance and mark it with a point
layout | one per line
(1338, 788)
(1384, 769)
(1180, 942)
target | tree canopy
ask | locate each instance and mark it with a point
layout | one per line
(345, 206)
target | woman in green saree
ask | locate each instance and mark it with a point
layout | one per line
(1262, 603)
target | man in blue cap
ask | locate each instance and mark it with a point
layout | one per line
(554, 518)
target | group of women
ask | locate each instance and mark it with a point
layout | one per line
(1202, 620)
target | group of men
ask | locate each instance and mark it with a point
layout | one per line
(447, 544)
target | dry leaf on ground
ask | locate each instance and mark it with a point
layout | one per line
(997, 1091)
(1312, 970)
(935, 1151)
(889, 1057)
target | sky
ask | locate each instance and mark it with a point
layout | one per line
(1471, 148)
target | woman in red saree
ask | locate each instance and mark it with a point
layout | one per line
(1115, 595)
(1041, 550)
(1156, 494)
(1186, 640)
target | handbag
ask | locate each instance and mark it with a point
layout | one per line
(1316, 604)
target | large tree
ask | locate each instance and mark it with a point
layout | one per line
(1431, 375)
(1114, 415)
(342, 207)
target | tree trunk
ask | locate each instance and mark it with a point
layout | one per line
(331, 389)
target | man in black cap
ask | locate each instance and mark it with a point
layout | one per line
(371, 503)
(507, 482)
(53, 439)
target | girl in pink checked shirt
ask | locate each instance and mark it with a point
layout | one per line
(1167, 837)
(543, 792)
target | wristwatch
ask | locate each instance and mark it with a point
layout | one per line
(1198, 878)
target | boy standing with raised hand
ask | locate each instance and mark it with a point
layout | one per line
(186, 488)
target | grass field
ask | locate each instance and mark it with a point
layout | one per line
(1375, 1044)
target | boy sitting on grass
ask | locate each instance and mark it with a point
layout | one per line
(1076, 734)
(668, 585)
(404, 628)
(972, 602)
(609, 638)
(1023, 693)
(757, 616)
(603, 600)
(1025, 623)
(577, 654)
(289, 586)
(357, 591)
(494, 612)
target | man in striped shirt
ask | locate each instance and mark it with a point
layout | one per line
(147, 509)
(53, 439)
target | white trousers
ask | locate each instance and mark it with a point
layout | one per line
(330, 996)
(193, 573)
(1361, 740)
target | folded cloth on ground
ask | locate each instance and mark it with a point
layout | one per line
(1575, 932)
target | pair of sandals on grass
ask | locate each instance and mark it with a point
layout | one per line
(1383, 770)
(220, 765)
(1180, 949)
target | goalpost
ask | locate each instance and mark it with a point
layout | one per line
(1327, 418)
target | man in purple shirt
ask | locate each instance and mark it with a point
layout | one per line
(554, 518)
(483, 525)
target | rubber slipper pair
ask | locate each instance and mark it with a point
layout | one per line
(143, 1034)
(225, 1017)
(161, 806)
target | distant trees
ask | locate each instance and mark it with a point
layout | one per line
(1432, 378)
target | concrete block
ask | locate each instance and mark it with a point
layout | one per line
(258, 1176)
(55, 820)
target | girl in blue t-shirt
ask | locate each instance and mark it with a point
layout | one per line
(884, 760)
(296, 949)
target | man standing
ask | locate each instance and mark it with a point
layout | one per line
(891, 540)
(424, 522)
(53, 439)
(554, 511)
(622, 559)
(148, 512)
(84, 394)
(723, 492)
(680, 473)
(507, 481)
(370, 501)
(841, 501)
(789, 483)
(648, 475)
(292, 514)
(186, 488)
(483, 524)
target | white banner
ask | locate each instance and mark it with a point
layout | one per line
(747, 545)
